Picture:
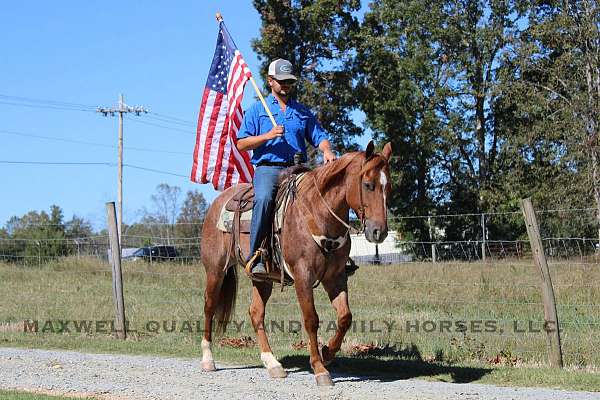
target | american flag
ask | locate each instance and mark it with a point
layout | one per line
(216, 157)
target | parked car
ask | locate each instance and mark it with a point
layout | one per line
(153, 254)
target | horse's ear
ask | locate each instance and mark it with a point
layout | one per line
(370, 150)
(387, 151)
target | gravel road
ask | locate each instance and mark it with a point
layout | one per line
(116, 377)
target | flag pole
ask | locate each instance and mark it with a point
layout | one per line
(219, 17)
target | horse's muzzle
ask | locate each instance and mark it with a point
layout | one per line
(374, 232)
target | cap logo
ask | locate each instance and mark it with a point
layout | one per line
(286, 68)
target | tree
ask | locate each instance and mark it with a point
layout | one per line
(165, 210)
(192, 215)
(37, 237)
(78, 227)
(557, 94)
(427, 77)
(313, 35)
(190, 220)
(396, 88)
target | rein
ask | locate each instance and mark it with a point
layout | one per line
(327, 243)
(341, 221)
(361, 207)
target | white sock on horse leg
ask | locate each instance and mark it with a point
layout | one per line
(269, 360)
(206, 352)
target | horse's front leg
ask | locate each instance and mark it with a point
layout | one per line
(337, 291)
(304, 292)
(261, 291)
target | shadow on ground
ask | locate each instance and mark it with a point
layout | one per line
(387, 370)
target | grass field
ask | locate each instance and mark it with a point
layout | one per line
(16, 395)
(456, 322)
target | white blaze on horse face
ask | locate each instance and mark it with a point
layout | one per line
(383, 180)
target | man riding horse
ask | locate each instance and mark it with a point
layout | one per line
(314, 235)
(274, 148)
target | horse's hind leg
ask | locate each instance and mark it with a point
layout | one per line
(338, 295)
(211, 297)
(261, 291)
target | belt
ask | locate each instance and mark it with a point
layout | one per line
(275, 164)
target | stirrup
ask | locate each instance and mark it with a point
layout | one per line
(260, 276)
(250, 263)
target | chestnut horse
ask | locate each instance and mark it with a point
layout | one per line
(359, 181)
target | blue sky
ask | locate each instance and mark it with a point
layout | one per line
(86, 52)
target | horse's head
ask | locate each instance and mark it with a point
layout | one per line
(369, 192)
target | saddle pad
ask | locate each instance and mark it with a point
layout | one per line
(282, 207)
(225, 221)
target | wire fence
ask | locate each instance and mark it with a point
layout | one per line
(455, 288)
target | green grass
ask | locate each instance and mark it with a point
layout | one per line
(15, 395)
(492, 297)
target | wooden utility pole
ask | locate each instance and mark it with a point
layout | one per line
(121, 109)
(550, 314)
(117, 276)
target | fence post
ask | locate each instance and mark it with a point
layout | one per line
(117, 277)
(433, 255)
(483, 237)
(550, 316)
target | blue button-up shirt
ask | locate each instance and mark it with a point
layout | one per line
(300, 126)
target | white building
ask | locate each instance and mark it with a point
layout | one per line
(390, 252)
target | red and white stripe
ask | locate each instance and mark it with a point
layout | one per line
(216, 157)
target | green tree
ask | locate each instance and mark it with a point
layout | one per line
(37, 237)
(189, 224)
(78, 227)
(555, 95)
(161, 219)
(427, 78)
(191, 215)
(313, 35)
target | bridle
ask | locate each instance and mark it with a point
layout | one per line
(361, 207)
(341, 221)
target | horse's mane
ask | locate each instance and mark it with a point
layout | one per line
(325, 174)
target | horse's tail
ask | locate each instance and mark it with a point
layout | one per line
(227, 296)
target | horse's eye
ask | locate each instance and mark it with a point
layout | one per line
(370, 186)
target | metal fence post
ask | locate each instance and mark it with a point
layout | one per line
(551, 324)
(483, 237)
(433, 255)
(117, 277)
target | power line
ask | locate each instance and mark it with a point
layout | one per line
(45, 106)
(122, 109)
(56, 163)
(187, 131)
(90, 143)
(155, 170)
(109, 164)
(170, 121)
(173, 118)
(43, 101)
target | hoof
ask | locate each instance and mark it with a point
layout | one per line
(208, 366)
(324, 379)
(277, 372)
